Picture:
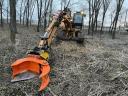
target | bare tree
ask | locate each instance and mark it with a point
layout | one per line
(106, 4)
(27, 13)
(89, 3)
(13, 28)
(50, 9)
(113, 26)
(1, 9)
(32, 8)
(39, 10)
(21, 8)
(7, 10)
(24, 12)
(46, 7)
(97, 7)
(94, 8)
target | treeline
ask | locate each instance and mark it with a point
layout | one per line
(44, 8)
(94, 11)
(25, 13)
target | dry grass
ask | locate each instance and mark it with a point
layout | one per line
(97, 68)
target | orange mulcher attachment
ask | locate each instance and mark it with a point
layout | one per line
(32, 64)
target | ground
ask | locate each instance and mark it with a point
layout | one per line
(99, 67)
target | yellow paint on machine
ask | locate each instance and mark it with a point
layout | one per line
(44, 54)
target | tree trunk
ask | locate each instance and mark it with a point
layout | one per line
(114, 24)
(32, 11)
(21, 11)
(50, 10)
(89, 17)
(7, 15)
(102, 25)
(106, 4)
(39, 9)
(13, 28)
(1, 19)
(45, 14)
(27, 14)
(125, 22)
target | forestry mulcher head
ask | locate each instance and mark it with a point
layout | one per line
(31, 66)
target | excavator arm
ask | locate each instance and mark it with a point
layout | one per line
(36, 61)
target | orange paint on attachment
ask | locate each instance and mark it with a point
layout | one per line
(35, 65)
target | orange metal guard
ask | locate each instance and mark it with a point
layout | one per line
(33, 64)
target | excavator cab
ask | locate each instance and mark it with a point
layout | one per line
(77, 20)
(77, 25)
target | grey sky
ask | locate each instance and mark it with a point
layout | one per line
(78, 5)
